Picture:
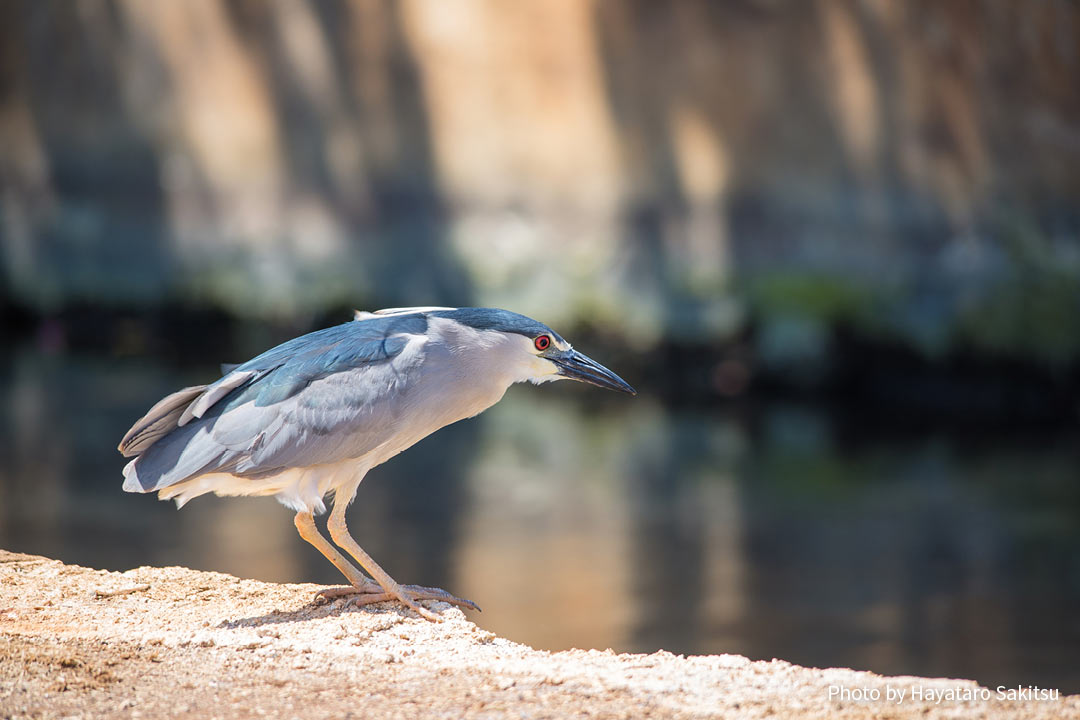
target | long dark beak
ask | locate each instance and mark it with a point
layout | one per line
(576, 366)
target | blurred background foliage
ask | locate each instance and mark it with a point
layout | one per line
(692, 173)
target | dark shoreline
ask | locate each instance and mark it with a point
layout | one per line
(860, 380)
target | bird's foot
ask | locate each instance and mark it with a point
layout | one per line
(414, 593)
(373, 593)
(332, 593)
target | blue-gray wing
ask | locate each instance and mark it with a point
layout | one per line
(319, 398)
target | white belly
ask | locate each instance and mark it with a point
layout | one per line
(301, 489)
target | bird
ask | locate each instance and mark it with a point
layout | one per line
(307, 419)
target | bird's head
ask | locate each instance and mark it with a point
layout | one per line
(530, 350)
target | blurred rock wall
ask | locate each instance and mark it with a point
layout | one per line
(907, 168)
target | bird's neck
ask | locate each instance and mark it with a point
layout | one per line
(483, 363)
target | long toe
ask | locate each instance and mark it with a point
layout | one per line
(332, 593)
(415, 593)
(419, 592)
(407, 599)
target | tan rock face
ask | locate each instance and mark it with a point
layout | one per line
(157, 642)
(609, 156)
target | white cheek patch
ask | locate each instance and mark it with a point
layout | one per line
(542, 368)
(532, 366)
(544, 371)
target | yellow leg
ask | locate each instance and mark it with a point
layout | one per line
(305, 525)
(364, 589)
(339, 531)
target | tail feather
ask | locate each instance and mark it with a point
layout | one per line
(172, 442)
(131, 478)
(183, 454)
(160, 420)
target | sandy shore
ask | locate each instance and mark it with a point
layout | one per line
(173, 642)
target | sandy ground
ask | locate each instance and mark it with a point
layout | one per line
(173, 642)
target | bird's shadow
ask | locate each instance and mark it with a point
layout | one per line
(315, 610)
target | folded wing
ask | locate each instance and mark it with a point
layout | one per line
(310, 400)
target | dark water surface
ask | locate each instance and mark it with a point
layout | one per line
(582, 519)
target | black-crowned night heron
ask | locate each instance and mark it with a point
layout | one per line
(311, 416)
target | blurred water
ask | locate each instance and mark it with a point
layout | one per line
(582, 519)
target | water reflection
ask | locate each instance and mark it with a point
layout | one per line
(577, 520)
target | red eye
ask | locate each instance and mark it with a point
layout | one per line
(542, 343)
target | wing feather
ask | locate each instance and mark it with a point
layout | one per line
(305, 402)
(215, 392)
(346, 415)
